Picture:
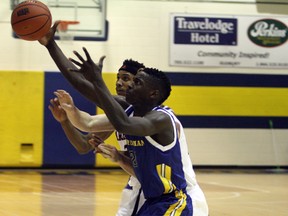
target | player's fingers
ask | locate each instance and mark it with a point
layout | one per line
(101, 60)
(60, 91)
(97, 150)
(52, 102)
(98, 140)
(56, 101)
(87, 54)
(50, 108)
(104, 155)
(55, 25)
(53, 105)
(75, 62)
(104, 149)
(101, 149)
(79, 56)
(110, 147)
(57, 94)
(66, 94)
(93, 143)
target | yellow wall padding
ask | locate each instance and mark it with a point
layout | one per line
(21, 127)
(228, 101)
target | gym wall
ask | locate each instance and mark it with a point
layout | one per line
(232, 116)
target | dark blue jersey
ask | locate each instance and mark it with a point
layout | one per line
(158, 168)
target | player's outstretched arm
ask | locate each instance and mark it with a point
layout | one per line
(76, 138)
(77, 80)
(80, 119)
(79, 140)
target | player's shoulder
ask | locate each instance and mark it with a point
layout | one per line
(165, 109)
(159, 115)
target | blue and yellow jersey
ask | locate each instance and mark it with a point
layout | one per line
(158, 168)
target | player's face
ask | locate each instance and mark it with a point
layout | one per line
(124, 80)
(139, 91)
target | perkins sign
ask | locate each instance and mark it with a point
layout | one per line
(205, 31)
(268, 33)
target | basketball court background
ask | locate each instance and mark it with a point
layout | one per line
(232, 116)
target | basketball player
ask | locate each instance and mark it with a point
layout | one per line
(132, 197)
(154, 143)
(199, 201)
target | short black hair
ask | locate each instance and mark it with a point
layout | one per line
(131, 66)
(159, 78)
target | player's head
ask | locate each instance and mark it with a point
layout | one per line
(126, 74)
(150, 86)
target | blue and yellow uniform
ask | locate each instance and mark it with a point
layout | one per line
(159, 169)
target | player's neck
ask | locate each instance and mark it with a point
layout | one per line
(142, 110)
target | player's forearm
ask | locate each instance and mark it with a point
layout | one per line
(89, 123)
(125, 163)
(76, 138)
(112, 108)
(77, 80)
(79, 119)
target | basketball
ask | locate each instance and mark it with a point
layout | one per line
(31, 20)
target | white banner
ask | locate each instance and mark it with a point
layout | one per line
(228, 41)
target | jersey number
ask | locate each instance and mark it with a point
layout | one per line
(133, 158)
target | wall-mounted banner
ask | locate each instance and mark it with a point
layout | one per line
(228, 41)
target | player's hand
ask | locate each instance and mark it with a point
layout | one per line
(95, 140)
(65, 100)
(88, 68)
(110, 152)
(58, 113)
(45, 40)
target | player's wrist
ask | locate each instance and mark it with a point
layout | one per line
(50, 44)
(64, 121)
(120, 159)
